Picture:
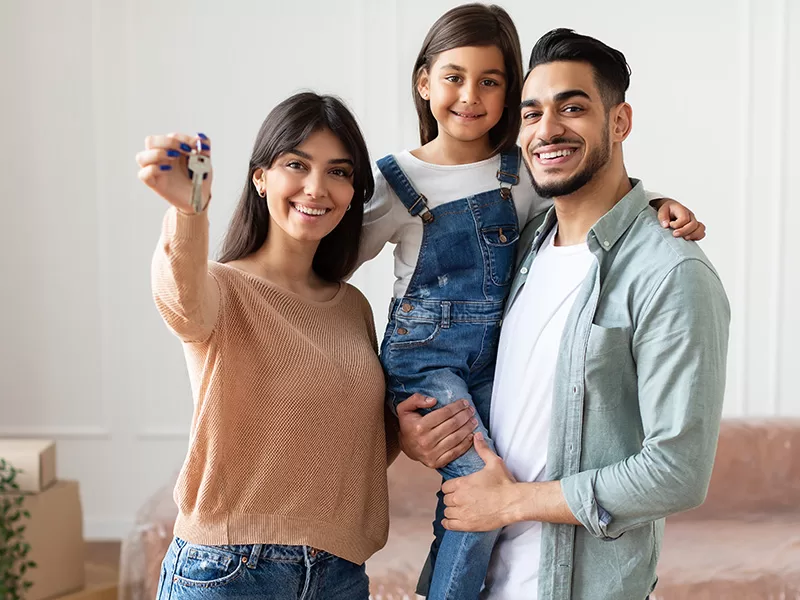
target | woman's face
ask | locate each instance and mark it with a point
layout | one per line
(308, 188)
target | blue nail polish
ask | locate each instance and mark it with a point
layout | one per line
(202, 136)
(173, 153)
(165, 167)
(186, 147)
(205, 147)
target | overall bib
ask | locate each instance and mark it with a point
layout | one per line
(442, 336)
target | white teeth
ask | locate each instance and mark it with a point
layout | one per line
(556, 154)
(315, 212)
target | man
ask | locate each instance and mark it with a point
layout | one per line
(611, 367)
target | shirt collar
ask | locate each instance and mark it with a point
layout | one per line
(611, 225)
(616, 221)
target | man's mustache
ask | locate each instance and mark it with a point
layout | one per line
(556, 140)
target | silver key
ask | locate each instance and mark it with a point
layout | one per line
(199, 166)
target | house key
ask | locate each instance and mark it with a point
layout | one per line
(199, 166)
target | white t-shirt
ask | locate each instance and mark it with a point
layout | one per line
(386, 219)
(522, 399)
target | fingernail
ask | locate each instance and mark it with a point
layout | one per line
(479, 436)
(665, 223)
(466, 403)
(205, 176)
(173, 153)
(205, 147)
(202, 136)
(474, 421)
(165, 167)
(186, 147)
(472, 410)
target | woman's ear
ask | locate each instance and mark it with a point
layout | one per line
(260, 181)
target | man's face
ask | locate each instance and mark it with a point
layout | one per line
(565, 127)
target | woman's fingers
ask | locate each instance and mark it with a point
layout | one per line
(179, 141)
(150, 157)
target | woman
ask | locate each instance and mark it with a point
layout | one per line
(283, 491)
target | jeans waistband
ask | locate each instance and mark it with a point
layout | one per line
(274, 552)
(447, 311)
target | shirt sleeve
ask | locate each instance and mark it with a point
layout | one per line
(185, 293)
(679, 346)
(383, 217)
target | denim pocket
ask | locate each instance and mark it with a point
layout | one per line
(500, 244)
(207, 566)
(412, 333)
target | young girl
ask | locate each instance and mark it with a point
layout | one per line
(454, 207)
(274, 341)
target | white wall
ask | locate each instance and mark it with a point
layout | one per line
(85, 357)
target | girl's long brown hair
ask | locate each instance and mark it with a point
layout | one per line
(474, 25)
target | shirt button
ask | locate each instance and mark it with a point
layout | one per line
(312, 553)
(606, 243)
(524, 270)
(575, 389)
(406, 307)
(402, 330)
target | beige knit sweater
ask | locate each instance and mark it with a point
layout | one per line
(288, 443)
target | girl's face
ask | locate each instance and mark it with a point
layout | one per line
(466, 88)
(308, 188)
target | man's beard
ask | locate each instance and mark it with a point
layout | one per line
(596, 161)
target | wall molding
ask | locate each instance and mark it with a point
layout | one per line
(57, 432)
(151, 434)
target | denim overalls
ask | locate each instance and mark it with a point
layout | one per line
(442, 336)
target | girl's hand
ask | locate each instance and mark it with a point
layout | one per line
(673, 214)
(164, 168)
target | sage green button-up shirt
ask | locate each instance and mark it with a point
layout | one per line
(638, 397)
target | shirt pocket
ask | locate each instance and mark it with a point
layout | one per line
(610, 374)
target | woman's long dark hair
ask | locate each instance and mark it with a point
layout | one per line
(473, 25)
(286, 127)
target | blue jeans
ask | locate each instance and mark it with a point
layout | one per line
(458, 561)
(266, 572)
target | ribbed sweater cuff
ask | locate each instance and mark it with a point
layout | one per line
(179, 225)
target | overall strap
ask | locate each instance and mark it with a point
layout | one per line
(415, 203)
(508, 175)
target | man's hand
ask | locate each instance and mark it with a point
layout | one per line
(484, 501)
(439, 437)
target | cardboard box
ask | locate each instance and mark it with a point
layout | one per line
(55, 534)
(35, 458)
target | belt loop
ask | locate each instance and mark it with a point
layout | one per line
(445, 315)
(255, 553)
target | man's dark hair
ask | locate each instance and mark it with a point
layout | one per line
(611, 70)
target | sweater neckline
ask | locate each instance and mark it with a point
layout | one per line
(287, 293)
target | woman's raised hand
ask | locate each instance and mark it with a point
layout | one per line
(163, 167)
